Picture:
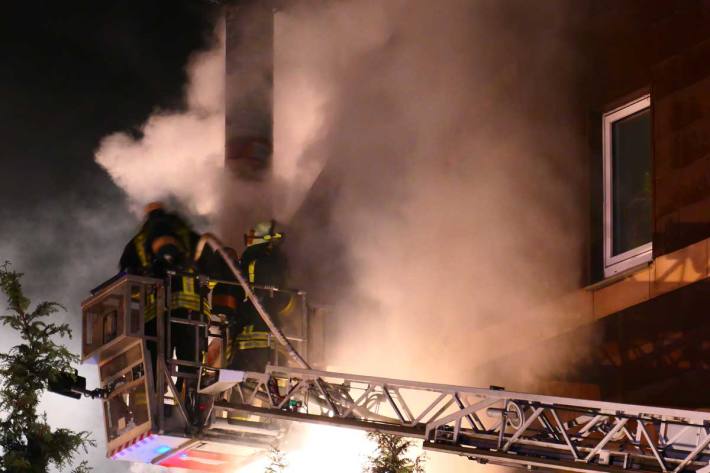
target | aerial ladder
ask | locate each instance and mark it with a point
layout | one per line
(233, 416)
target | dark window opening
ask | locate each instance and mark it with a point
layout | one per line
(631, 182)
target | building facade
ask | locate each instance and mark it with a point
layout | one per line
(648, 123)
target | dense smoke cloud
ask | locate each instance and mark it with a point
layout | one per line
(177, 154)
(312, 45)
(445, 226)
(448, 225)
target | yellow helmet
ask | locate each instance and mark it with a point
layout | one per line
(261, 233)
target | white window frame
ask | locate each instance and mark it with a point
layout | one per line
(614, 264)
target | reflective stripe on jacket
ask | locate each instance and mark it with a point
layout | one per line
(187, 298)
(139, 242)
(252, 271)
(249, 339)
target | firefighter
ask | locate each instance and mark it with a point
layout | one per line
(264, 266)
(167, 242)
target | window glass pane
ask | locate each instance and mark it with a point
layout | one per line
(631, 178)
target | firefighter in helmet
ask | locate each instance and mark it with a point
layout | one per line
(166, 242)
(264, 266)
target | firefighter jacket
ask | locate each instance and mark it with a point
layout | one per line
(262, 265)
(225, 297)
(165, 241)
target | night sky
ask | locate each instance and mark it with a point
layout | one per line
(71, 73)
(76, 71)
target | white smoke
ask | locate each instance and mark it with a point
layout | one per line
(178, 154)
(449, 224)
(312, 46)
(450, 136)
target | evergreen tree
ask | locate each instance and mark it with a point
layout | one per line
(391, 455)
(27, 442)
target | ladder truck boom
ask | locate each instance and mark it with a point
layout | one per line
(491, 425)
(230, 416)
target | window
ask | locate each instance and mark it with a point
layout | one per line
(627, 186)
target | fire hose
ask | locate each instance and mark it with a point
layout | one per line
(324, 387)
(216, 245)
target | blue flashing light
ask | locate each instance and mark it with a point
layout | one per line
(162, 449)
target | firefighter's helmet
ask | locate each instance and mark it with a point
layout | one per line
(261, 233)
(152, 207)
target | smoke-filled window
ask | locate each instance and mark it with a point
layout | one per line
(628, 224)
